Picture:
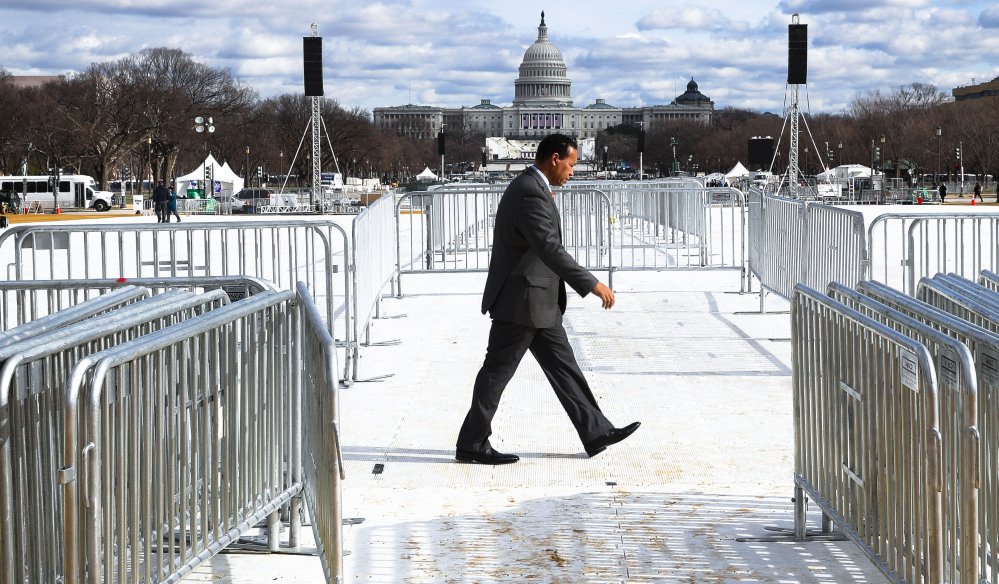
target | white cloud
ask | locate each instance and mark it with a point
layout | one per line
(454, 53)
(686, 17)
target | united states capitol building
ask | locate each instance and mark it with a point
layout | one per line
(542, 105)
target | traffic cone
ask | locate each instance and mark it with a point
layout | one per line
(972, 201)
(58, 210)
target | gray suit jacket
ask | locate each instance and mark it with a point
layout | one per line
(529, 266)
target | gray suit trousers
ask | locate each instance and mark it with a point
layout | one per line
(550, 346)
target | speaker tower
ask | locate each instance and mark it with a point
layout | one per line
(312, 50)
(797, 54)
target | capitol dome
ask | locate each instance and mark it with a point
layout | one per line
(542, 81)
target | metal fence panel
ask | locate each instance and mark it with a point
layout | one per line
(865, 415)
(958, 416)
(18, 302)
(779, 245)
(834, 247)
(989, 279)
(373, 245)
(984, 345)
(323, 462)
(283, 252)
(605, 226)
(905, 247)
(32, 380)
(938, 293)
(29, 301)
(203, 409)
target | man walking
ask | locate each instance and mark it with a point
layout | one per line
(526, 298)
(943, 191)
(161, 196)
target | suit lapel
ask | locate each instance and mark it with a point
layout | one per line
(551, 200)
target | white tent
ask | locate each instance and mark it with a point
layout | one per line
(738, 171)
(426, 175)
(226, 181)
(844, 173)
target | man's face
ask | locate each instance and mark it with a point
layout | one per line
(562, 167)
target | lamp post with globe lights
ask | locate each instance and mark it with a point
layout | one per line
(206, 126)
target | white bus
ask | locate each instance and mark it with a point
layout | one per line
(75, 191)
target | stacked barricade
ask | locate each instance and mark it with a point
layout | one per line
(36, 361)
(204, 412)
(29, 301)
(144, 433)
(283, 252)
(924, 512)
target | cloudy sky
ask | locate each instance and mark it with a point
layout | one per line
(451, 53)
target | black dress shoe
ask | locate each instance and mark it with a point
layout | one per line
(598, 445)
(487, 456)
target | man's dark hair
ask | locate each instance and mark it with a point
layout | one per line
(555, 144)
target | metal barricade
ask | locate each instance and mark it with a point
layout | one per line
(970, 288)
(989, 279)
(203, 207)
(861, 435)
(373, 247)
(835, 246)
(320, 437)
(937, 292)
(18, 302)
(905, 247)
(984, 345)
(32, 392)
(792, 241)
(283, 252)
(452, 231)
(958, 415)
(779, 243)
(28, 301)
(180, 441)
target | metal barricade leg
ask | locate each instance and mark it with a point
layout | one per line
(799, 513)
(274, 531)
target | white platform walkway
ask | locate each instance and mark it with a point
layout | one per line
(682, 352)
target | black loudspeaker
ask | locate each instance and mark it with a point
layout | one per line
(312, 50)
(797, 54)
(761, 153)
(440, 143)
(641, 141)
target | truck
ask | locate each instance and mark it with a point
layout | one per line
(77, 191)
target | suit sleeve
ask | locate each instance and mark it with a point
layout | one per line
(537, 224)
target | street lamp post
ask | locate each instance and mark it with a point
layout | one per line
(207, 127)
(247, 177)
(675, 168)
(960, 160)
(882, 160)
(936, 135)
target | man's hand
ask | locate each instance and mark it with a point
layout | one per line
(606, 294)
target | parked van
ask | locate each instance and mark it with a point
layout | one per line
(253, 199)
(77, 191)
